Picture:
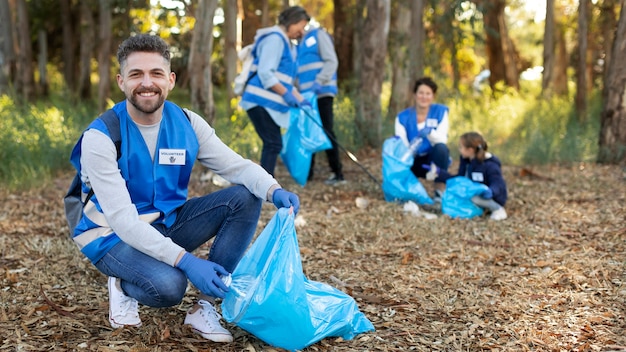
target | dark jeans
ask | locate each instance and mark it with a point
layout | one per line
(439, 154)
(325, 107)
(230, 215)
(269, 132)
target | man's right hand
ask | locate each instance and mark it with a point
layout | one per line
(204, 274)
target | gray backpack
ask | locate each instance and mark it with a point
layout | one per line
(75, 200)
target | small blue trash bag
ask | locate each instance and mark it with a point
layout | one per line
(457, 198)
(399, 183)
(272, 299)
(304, 137)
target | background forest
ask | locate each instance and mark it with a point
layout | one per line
(553, 93)
(551, 277)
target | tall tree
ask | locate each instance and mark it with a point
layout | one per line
(343, 34)
(371, 76)
(42, 40)
(199, 66)
(400, 42)
(87, 46)
(581, 67)
(501, 52)
(7, 54)
(405, 50)
(104, 53)
(613, 119)
(231, 14)
(25, 84)
(68, 44)
(608, 23)
(548, 49)
(560, 78)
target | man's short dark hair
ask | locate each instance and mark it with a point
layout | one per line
(142, 43)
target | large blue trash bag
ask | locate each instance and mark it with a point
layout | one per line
(457, 198)
(272, 299)
(399, 183)
(304, 137)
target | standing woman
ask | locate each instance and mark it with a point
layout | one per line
(317, 73)
(427, 124)
(269, 93)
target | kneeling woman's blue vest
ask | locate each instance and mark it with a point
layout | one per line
(157, 187)
(408, 119)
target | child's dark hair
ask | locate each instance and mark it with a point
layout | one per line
(475, 140)
(425, 81)
(292, 15)
(142, 43)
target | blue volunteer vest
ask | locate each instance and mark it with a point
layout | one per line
(157, 188)
(408, 119)
(286, 72)
(310, 63)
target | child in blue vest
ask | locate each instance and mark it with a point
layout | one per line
(477, 164)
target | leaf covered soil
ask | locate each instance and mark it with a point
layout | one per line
(551, 277)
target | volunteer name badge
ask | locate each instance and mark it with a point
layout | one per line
(478, 177)
(310, 41)
(172, 156)
(431, 123)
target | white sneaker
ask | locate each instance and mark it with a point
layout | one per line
(499, 214)
(123, 310)
(206, 322)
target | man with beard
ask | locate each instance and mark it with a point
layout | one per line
(138, 227)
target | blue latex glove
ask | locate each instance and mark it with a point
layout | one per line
(306, 104)
(285, 199)
(205, 275)
(487, 194)
(424, 132)
(433, 171)
(291, 100)
(316, 88)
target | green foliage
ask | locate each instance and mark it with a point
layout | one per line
(36, 139)
(525, 129)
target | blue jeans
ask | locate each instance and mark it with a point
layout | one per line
(229, 215)
(438, 154)
(269, 132)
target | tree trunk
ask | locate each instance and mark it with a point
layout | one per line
(499, 47)
(343, 34)
(230, 46)
(87, 45)
(613, 119)
(200, 61)
(374, 45)
(7, 55)
(42, 40)
(104, 54)
(548, 50)
(562, 62)
(400, 42)
(608, 22)
(416, 49)
(68, 44)
(25, 83)
(581, 67)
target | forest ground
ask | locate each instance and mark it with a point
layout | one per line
(552, 277)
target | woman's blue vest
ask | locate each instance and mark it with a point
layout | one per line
(286, 72)
(310, 63)
(157, 188)
(408, 119)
